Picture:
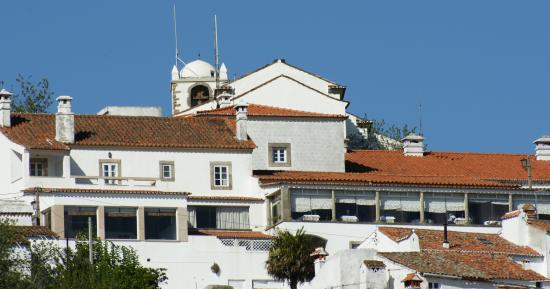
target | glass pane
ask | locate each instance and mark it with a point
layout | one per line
(76, 221)
(160, 223)
(120, 223)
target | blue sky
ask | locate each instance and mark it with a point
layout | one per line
(479, 68)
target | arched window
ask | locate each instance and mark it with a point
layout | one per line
(199, 94)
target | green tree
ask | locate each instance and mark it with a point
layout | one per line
(12, 263)
(45, 265)
(289, 257)
(29, 96)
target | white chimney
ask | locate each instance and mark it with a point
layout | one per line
(320, 256)
(5, 108)
(413, 145)
(64, 120)
(542, 148)
(242, 119)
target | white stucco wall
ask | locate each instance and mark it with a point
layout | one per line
(252, 80)
(288, 93)
(339, 235)
(192, 168)
(341, 268)
(188, 264)
(383, 243)
(316, 144)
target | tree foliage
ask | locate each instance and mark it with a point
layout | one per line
(48, 266)
(289, 257)
(378, 135)
(29, 96)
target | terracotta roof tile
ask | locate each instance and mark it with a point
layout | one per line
(464, 265)
(23, 233)
(460, 241)
(106, 191)
(541, 224)
(411, 277)
(232, 234)
(448, 169)
(374, 264)
(479, 166)
(224, 198)
(374, 179)
(37, 131)
(257, 110)
(511, 215)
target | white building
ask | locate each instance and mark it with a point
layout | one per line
(237, 159)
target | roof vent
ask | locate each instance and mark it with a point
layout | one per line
(281, 60)
(542, 148)
(413, 145)
(5, 108)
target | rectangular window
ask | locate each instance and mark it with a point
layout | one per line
(76, 220)
(279, 154)
(160, 224)
(167, 171)
(120, 223)
(223, 217)
(110, 169)
(38, 167)
(220, 175)
(433, 285)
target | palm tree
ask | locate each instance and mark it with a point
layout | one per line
(289, 257)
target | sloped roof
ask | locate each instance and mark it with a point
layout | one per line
(37, 131)
(466, 242)
(484, 166)
(541, 224)
(270, 177)
(454, 169)
(258, 110)
(467, 266)
(106, 191)
(22, 233)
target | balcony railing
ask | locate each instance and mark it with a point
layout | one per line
(93, 182)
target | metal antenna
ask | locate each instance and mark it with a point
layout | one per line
(420, 118)
(178, 60)
(216, 56)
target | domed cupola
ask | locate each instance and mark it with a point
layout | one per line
(198, 69)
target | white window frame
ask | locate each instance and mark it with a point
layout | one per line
(110, 172)
(434, 285)
(220, 180)
(162, 166)
(33, 166)
(278, 159)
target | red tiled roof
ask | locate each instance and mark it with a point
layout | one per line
(224, 198)
(232, 234)
(411, 277)
(37, 131)
(374, 179)
(511, 215)
(23, 233)
(105, 191)
(480, 166)
(473, 170)
(460, 241)
(258, 110)
(464, 265)
(541, 224)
